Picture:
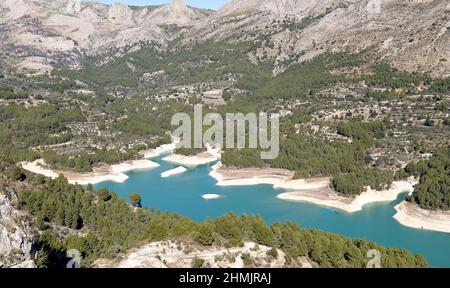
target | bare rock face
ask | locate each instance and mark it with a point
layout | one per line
(167, 254)
(176, 13)
(410, 34)
(57, 31)
(16, 241)
(13, 9)
(120, 14)
(236, 7)
(280, 7)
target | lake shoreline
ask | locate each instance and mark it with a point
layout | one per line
(314, 190)
(325, 196)
(249, 177)
(318, 191)
(100, 173)
(207, 157)
(411, 215)
(190, 161)
(184, 195)
(158, 151)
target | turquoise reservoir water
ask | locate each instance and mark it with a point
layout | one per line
(182, 194)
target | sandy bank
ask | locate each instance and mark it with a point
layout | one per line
(161, 150)
(304, 184)
(176, 171)
(411, 215)
(226, 176)
(38, 167)
(318, 191)
(203, 158)
(133, 165)
(101, 173)
(315, 190)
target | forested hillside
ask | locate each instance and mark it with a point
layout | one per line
(311, 157)
(356, 105)
(111, 226)
(433, 190)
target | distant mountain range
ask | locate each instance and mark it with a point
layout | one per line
(38, 35)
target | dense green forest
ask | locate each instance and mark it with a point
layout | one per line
(25, 127)
(203, 62)
(387, 76)
(216, 61)
(111, 226)
(311, 157)
(115, 73)
(144, 120)
(433, 190)
(356, 182)
(301, 81)
(441, 85)
(22, 128)
(84, 161)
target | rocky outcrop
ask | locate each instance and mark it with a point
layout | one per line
(171, 254)
(16, 240)
(177, 13)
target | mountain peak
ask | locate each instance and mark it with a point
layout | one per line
(178, 4)
(177, 13)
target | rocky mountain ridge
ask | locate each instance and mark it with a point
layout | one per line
(411, 34)
(44, 34)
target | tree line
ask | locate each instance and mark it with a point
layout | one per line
(111, 226)
(312, 157)
(22, 128)
(433, 190)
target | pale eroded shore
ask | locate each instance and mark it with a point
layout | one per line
(411, 215)
(161, 150)
(211, 155)
(204, 158)
(249, 177)
(103, 173)
(316, 190)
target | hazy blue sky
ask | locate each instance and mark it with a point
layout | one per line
(211, 4)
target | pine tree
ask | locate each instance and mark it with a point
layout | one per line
(135, 199)
(205, 234)
(103, 195)
(40, 221)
